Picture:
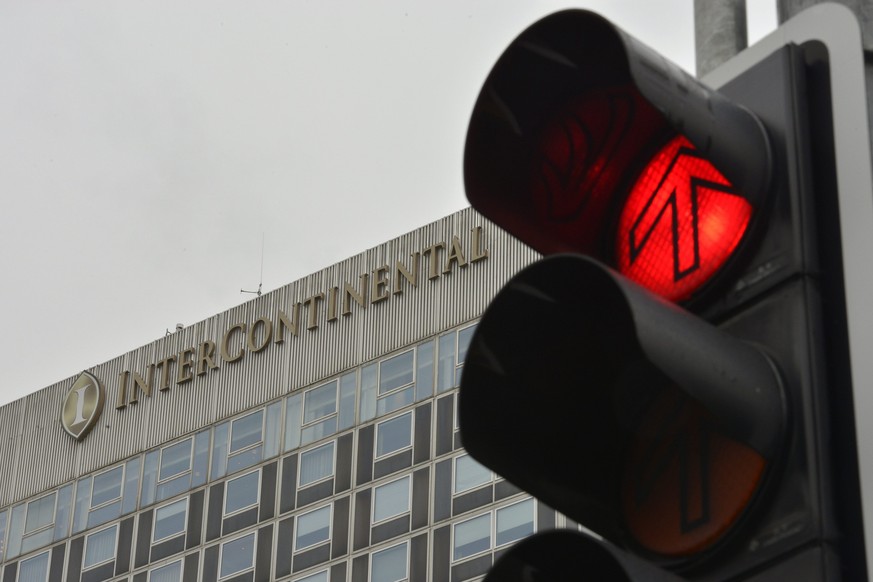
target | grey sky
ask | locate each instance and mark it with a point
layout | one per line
(147, 147)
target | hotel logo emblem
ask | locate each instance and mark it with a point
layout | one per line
(82, 406)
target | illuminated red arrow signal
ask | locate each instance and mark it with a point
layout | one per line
(681, 222)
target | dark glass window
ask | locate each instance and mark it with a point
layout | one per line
(34, 569)
(100, 547)
(312, 528)
(391, 499)
(170, 520)
(394, 435)
(391, 564)
(237, 556)
(316, 464)
(241, 492)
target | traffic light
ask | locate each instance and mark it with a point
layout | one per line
(673, 375)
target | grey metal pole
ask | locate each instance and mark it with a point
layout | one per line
(719, 32)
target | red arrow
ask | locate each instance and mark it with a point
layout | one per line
(680, 223)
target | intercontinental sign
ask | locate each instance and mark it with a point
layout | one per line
(85, 399)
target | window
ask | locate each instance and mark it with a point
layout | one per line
(175, 469)
(472, 537)
(34, 569)
(106, 487)
(424, 370)
(40, 513)
(246, 431)
(100, 547)
(237, 556)
(316, 464)
(394, 435)
(320, 412)
(175, 460)
(469, 474)
(390, 565)
(107, 495)
(246, 441)
(39, 523)
(391, 499)
(242, 492)
(170, 520)
(396, 372)
(170, 573)
(3, 515)
(515, 522)
(319, 402)
(389, 385)
(312, 528)
(446, 362)
(317, 577)
(464, 337)
(396, 376)
(475, 536)
(452, 353)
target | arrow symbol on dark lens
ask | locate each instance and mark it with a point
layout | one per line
(675, 199)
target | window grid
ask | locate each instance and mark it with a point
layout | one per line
(108, 487)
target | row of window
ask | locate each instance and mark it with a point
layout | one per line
(384, 503)
(237, 444)
(241, 492)
(470, 538)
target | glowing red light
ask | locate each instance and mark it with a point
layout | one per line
(681, 222)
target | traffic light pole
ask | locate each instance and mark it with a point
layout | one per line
(842, 40)
(719, 32)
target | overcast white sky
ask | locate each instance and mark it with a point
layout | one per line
(147, 147)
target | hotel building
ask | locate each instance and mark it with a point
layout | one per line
(309, 434)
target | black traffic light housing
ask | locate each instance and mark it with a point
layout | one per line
(593, 373)
(569, 64)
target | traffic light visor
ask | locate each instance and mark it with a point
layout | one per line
(584, 140)
(631, 412)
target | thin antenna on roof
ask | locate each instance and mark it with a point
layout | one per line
(261, 281)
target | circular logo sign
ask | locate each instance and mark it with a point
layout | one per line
(82, 406)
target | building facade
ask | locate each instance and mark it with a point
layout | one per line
(309, 434)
